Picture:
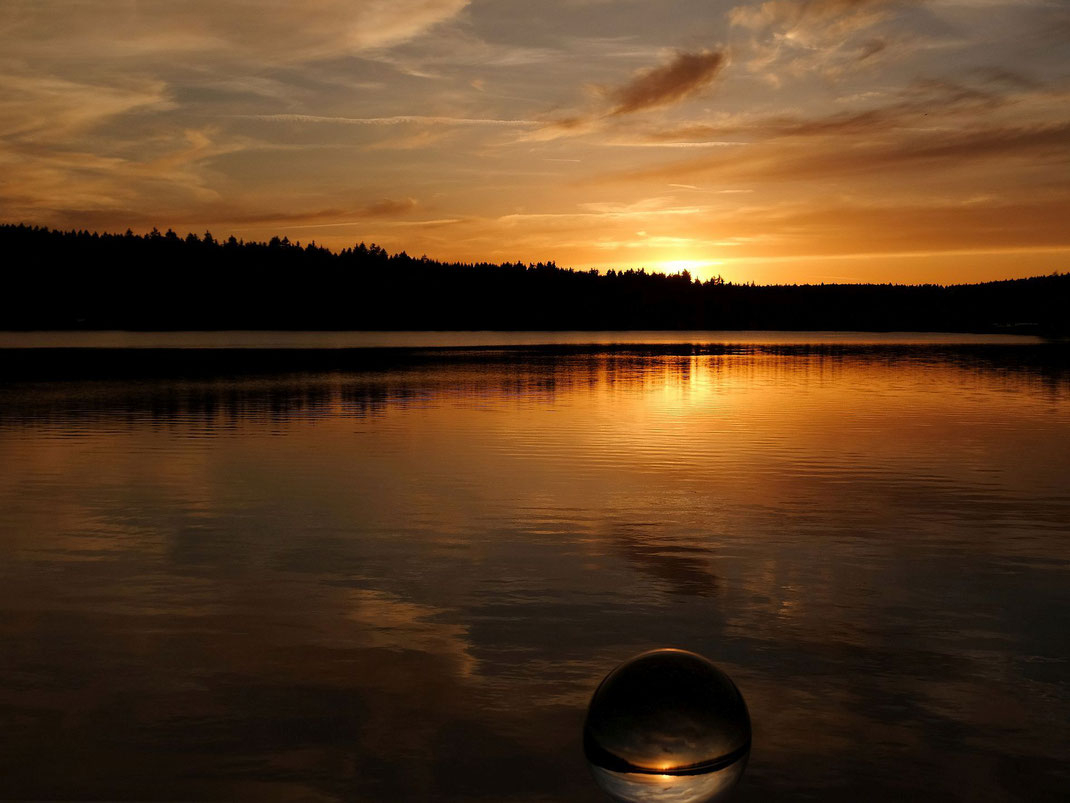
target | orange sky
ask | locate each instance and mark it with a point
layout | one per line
(786, 140)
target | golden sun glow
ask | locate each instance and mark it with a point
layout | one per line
(703, 268)
(768, 141)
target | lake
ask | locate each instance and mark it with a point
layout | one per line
(395, 566)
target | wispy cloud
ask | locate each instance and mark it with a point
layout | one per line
(48, 108)
(402, 119)
(799, 38)
(237, 29)
(648, 208)
(632, 142)
(385, 208)
(787, 16)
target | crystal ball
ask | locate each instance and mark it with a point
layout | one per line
(667, 725)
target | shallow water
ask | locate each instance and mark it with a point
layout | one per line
(401, 575)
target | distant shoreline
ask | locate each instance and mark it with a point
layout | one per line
(284, 339)
(82, 281)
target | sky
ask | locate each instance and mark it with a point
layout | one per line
(776, 141)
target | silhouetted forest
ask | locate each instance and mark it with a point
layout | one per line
(82, 280)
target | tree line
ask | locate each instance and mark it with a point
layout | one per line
(81, 280)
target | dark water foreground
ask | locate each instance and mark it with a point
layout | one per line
(398, 574)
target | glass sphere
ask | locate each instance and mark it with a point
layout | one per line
(667, 725)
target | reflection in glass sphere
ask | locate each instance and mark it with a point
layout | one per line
(667, 725)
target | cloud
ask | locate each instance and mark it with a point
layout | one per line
(418, 131)
(96, 203)
(48, 108)
(1001, 76)
(923, 102)
(46, 182)
(685, 75)
(786, 16)
(909, 227)
(385, 208)
(800, 38)
(828, 157)
(388, 208)
(871, 47)
(396, 120)
(276, 32)
(379, 23)
(120, 112)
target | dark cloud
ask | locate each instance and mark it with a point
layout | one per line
(120, 217)
(387, 208)
(1001, 76)
(871, 47)
(685, 75)
(914, 103)
(824, 157)
(994, 224)
(1025, 141)
(569, 123)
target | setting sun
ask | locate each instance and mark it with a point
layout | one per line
(698, 268)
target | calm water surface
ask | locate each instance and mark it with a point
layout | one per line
(402, 577)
